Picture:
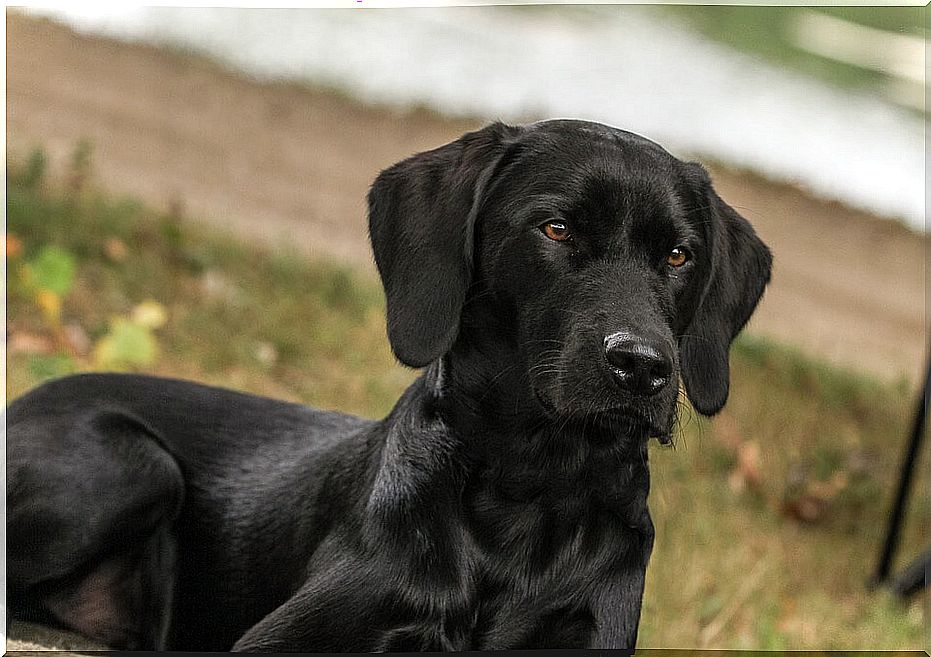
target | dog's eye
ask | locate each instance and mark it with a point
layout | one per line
(678, 257)
(556, 231)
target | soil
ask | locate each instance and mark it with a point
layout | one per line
(290, 166)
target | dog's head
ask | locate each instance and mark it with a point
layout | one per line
(603, 266)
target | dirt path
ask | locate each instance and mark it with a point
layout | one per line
(282, 164)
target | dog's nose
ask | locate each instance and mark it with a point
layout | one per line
(641, 365)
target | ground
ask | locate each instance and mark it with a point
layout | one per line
(285, 164)
(289, 166)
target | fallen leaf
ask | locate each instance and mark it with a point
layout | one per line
(29, 343)
(217, 287)
(77, 339)
(50, 303)
(266, 353)
(115, 249)
(52, 270)
(126, 345)
(727, 432)
(806, 508)
(746, 473)
(14, 247)
(150, 314)
(827, 490)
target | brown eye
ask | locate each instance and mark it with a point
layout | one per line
(677, 257)
(556, 231)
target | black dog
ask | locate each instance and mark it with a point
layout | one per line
(555, 280)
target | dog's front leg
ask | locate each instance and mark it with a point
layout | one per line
(335, 611)
(617, 608)
(617, 614)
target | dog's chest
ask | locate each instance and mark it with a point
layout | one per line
(528, 509)
(547, 542)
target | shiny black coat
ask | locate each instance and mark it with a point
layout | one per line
(501, 504)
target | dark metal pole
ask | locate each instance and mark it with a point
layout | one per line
(914, 577)
(905, 480)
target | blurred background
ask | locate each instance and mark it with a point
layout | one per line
(186, 197)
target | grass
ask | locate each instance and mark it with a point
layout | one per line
(769, 33)
(236, 316)
(769, 518)
(747, 565)
(766, 32)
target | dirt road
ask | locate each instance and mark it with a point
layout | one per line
(283, 164)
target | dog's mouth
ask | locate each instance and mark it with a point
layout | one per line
(635, 421)
(620, 420)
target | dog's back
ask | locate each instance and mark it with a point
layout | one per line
(116, 494)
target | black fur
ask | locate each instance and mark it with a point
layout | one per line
(501, 504)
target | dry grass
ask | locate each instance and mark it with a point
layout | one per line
(769, 519)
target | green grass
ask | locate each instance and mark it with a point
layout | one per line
(236, 315)
(801, 583)
(765, 32)
(732, 567)
(768, 33)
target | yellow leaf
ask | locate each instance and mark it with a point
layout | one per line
(50, 303)
(150, 314)
(128, 345)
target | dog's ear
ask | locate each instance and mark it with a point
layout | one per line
(422, 215)
(739, 271)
